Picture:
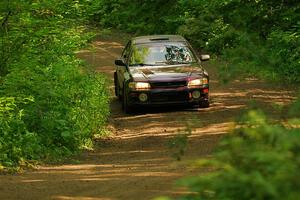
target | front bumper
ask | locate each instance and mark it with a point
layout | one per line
(174, 96)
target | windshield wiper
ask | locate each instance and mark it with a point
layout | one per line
(141, 64)
(174, 62)
(177, 62)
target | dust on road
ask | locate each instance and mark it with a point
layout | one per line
(134, 163)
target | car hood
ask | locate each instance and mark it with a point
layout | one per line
(165, 73)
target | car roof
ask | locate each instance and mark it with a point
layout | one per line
(157, 38)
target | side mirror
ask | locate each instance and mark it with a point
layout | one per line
(119, 62)
(204, 57)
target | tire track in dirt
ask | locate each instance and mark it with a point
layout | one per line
(135, 163)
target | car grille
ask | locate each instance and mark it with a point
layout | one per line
(172, 84)
(169, 97)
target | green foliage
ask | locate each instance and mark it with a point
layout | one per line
(69, 102)
(252, 37)
(285, 53)
(178, 144)
(258, 161)
(17, 144)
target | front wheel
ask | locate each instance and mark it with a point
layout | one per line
(116, 84)
(117, 87)
(126, 108)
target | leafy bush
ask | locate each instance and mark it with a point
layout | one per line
(17, 144)
(69, 102)
(258, 161)
(69, 106)
(285, 53)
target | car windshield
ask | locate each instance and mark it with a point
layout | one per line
(161, 54)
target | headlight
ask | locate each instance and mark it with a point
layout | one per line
(204, 81)
(139, 86)
(197, 82)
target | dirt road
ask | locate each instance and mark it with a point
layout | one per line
(135, 163)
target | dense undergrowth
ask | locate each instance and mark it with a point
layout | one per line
(51, 104)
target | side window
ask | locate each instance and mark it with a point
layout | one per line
(126, 51)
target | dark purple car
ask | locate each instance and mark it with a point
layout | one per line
(160, 70)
